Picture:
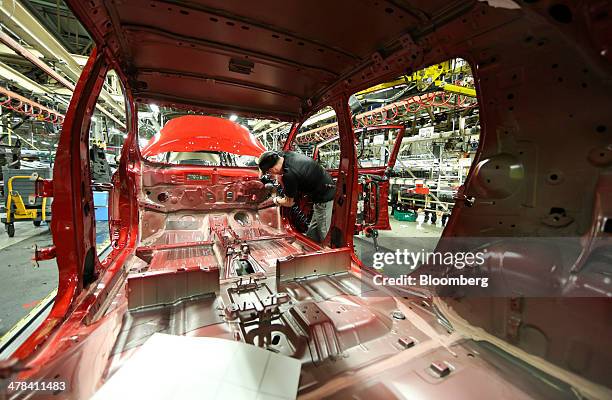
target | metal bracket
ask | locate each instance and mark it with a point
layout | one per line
(43, 254)
(43, 187)
(514, 320)
(407, 42)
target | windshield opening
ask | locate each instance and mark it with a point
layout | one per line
(185, 137)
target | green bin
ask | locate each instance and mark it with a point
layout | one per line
(409, 215)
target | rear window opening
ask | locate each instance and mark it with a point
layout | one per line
(318, 139)
(405, 202)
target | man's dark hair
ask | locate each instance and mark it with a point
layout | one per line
(268, 159)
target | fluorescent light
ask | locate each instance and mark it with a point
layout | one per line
(320, 117)
(47, 143)
(154, 108)
(233, 117)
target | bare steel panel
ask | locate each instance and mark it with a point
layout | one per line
(318, 263)
(167, 287)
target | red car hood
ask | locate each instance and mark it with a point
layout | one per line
(201, 133)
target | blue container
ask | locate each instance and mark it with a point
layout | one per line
(100, 199)
(101, 213)
(101, 205)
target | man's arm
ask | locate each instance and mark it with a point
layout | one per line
(290, 189)
(284, 201)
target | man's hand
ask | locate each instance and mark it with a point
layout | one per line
(283, 201)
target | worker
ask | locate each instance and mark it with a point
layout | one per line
(301, 175)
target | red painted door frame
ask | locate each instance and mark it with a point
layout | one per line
(73, 225)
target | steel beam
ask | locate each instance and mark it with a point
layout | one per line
(271, 128)
(30, 85)
(20, 80)
(15, 16)
(7, 51)
(17, 48)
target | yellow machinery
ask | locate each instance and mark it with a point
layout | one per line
(433, 75)
(16, 209)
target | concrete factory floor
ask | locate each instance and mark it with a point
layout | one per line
(403, 235)
(22, 284)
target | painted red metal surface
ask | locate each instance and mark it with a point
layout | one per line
(67, 225)
(75, 304)
(203, 133)
(43, 187)
(76, 340)
(44, 253)
(420, 189)
(382, 214)
(180, 173)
